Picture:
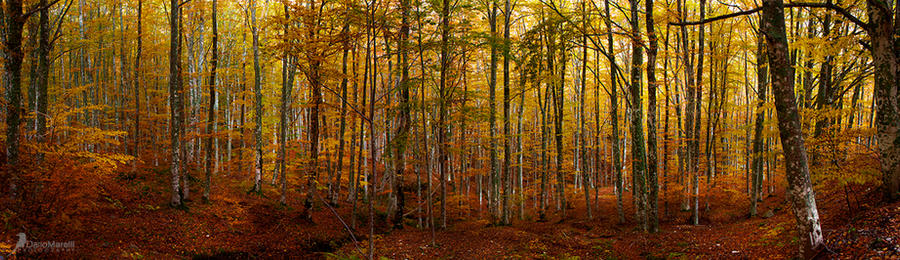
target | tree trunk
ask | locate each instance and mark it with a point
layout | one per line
(505, 174)
(336, 190)
(492, 95)
(586, 178)
(638, 152)
(560, 102)
(43, 71)
(884, 56)
(614, 118)
(257, 88)
(800, 193)
(403, 114)
(652, 161)
(176, 99)
(15, 20)
(137, 86)
(211, 116)
(443, 103)
(761, 86)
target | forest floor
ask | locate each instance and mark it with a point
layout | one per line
(130, 218)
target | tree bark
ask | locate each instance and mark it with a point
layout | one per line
(638, 152)
(176, 99)
(505, 175)
(12, 74)
(884, 55)
(492, 95)
(761, 86)
(800, 191)
(136, 83)
(257, 89)
(614, 118)
(211, 116)
(403, 114)
(443, 104)
(43, 70)
(652, 161)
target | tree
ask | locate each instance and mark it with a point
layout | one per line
(403, 114)
(211, 116)
(638, 150)
(345, 41)
(442, 107)
(800, 192)
(586, 177)
(176, 99)
(257, 89)
(614, 119)
(761, 86)
(287, 85)
(492, 95)
(136, 83)
(652, 161)
(43, 69)
(12, 75)
(506, 173)
(885, 48)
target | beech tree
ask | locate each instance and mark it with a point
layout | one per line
(391, 107)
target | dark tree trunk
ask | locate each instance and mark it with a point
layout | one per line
(43, 70)
(884, 56)
(12, 74)
(211, 116)
(442, 109)
(638, 152)
(761, 86)
(136, 83)
(652, 161)
(505, 175)
(257, 89)
(403, 114)
(176, 99)
(614, 118)
(800, 191)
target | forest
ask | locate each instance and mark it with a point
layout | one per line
(434, 129)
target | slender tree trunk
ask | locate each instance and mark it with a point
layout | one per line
(492, 95)
(211, 116)
(521, 150)
(800, 191)
(638, 152)
(586, 178)
(505, 174)
(666, 135)
(43, 71)
(176, 99)
(442, 90)
(614, 118)
(12, 74)
(652, 161)
(695, 149)
(257, 88)
(403, 114)
(560, 106)
(336, 190)
(761, 86)
(136, 83)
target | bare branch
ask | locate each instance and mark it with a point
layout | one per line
(840, 10)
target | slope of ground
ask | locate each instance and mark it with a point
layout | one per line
(130, 219)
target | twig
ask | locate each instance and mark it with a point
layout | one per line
(355, 242)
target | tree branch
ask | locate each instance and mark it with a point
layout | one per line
(840, 10)
(716, 18)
